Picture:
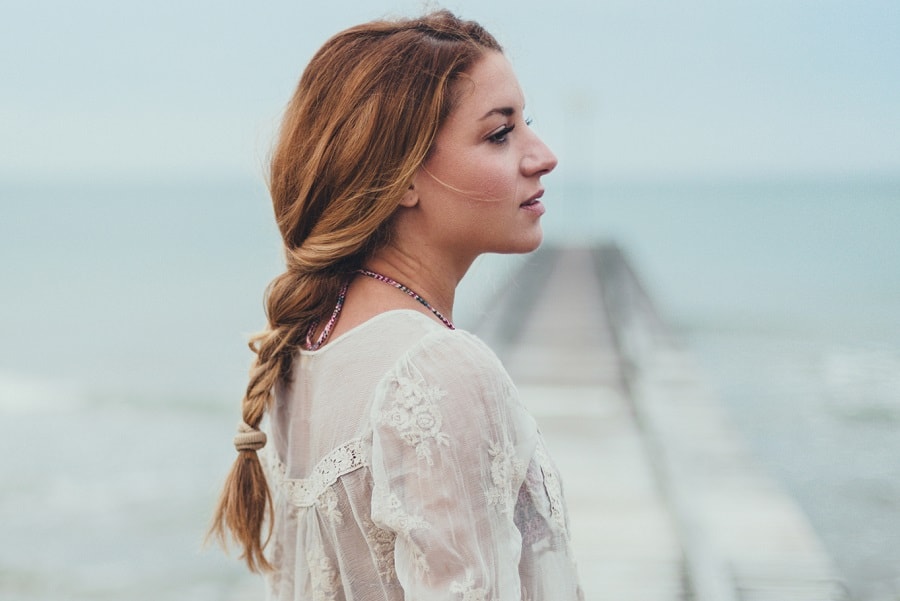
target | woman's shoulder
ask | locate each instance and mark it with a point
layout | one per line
(453, 359)
(421, 337)
(454, 350)
(450, 377)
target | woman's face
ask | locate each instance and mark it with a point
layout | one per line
(480, 187)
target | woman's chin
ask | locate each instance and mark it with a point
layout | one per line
(525, 244)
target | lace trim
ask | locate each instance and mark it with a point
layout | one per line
(306, 492)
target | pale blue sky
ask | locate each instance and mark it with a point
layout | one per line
(114, 89)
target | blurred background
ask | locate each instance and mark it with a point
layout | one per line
(745, 155)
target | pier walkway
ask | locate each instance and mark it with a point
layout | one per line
(665, 503)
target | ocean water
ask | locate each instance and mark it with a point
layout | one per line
(125, 309)
(788, 292)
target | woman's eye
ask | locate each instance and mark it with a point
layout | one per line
(499, 136)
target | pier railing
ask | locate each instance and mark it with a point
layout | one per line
(743, 538)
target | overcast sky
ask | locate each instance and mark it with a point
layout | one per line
(115, 89)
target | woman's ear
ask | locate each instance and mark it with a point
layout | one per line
(410, 197)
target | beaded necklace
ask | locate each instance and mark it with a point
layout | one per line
(314, 345)
(399, 286)
(310, 345)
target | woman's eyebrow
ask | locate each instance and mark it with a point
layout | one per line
(506, 111)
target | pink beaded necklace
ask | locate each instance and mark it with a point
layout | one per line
(314, 345)
(399, 286)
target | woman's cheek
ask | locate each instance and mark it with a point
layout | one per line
(493, 182)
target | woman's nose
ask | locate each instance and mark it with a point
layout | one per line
(539, 160)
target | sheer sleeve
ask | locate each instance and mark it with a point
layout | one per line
(451, 444)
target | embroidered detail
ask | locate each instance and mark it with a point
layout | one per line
(403, 524)
(328, 505)
(323, 577)
(381, 542)
(506, 472)
(307, 492)
(416, 417)
(553, 487)
(401, 521)
(467, 591)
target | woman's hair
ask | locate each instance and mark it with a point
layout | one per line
(362, 120)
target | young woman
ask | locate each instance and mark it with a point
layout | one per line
(401, 463)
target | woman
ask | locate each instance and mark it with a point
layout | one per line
(401, 462)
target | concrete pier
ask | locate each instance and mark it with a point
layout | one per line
(666, 503)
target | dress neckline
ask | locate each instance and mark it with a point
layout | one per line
(361, 327)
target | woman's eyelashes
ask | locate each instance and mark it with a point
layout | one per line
(501, 135)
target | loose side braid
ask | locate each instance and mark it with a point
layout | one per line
(246, 503)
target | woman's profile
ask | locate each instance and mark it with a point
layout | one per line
(399, 461)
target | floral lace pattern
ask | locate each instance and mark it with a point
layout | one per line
(327, 503)
(323, 577)
(307, 492)
(381, 542)
(416, 417)
(553, 487)
(466, 590)
(438, 488)
(506, 472)
(404, 523)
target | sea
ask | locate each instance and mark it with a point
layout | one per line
(125, 308)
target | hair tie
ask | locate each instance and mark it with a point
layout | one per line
(249, 438)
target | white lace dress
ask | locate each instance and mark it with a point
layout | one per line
(404, 466)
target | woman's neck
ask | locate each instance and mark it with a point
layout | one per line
(433, 279)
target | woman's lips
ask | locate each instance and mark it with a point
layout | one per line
(534, 204)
